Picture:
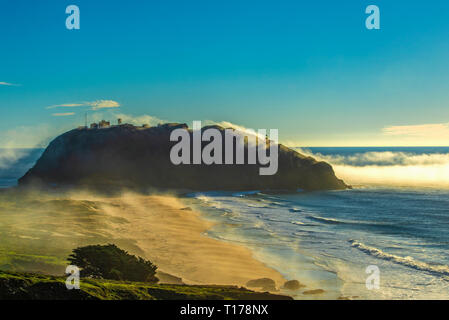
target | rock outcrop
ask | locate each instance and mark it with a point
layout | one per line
(263, 284)
(293, 285)
(139, 157)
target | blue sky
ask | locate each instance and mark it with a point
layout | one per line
(308, 68)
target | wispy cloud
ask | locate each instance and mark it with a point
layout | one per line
(66, 105)
(65, 114)
(95, 105)
(421, 130)
(2, 83)
(101, 104)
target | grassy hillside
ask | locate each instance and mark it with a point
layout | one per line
(33, 286)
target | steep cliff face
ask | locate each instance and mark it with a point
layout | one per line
(135, 157)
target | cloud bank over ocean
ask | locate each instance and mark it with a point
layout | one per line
(394, 168)
(10, 156)
(384, 158)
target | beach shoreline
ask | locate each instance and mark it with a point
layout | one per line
(179, 245)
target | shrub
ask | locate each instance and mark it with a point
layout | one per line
(111, 262)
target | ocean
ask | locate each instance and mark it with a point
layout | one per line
(396, 218)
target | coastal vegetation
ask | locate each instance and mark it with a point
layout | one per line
(110, 273)
(16, 286)
(111, 262)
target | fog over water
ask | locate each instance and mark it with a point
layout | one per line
(404, 167)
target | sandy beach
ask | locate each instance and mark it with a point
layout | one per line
(174, 240)
(42, 230)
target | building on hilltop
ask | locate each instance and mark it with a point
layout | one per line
(101, 124)
(104, 124)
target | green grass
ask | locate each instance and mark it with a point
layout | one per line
(14, 285)
(23, 262)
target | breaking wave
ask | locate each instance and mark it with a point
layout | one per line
(326, 220)
(405, 261)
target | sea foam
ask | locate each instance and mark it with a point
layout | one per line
(405, 261)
